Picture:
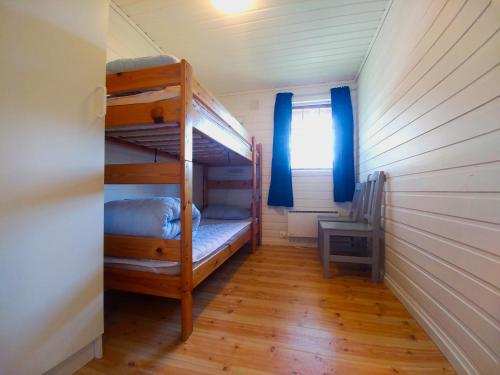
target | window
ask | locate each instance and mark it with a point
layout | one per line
(311, 142)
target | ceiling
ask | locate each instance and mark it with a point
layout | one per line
(277, 43)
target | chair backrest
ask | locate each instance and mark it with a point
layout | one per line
(367, 196)
(357, 201)
(373, 205)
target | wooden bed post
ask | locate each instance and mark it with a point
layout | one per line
(254, 195)
(186, 160)
(259, 179)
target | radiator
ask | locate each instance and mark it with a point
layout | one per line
(305, 223)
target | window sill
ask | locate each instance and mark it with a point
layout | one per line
(316, 171)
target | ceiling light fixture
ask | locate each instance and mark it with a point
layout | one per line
(232, 6)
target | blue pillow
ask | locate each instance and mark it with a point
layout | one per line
(226, 212)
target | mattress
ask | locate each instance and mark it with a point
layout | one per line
(212, 235)
(127, 65)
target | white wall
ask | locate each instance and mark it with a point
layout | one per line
(429, 115)
(313, 190)
(51, 194)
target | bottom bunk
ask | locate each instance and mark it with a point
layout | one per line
(214, 242)
(212, 237)
(147, 252)
(140, 276)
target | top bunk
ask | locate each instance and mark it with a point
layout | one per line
(149, 101)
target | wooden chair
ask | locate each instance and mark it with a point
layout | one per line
(369, 228)
(356, 212)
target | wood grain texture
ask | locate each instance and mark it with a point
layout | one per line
(179, 286)
(428, 117)
(142, 247)
(186, 187)
(158, 284)
(269, 312)
(161, 112)
(144, 79)
(206, 114)
(142, 282)
(143, 173)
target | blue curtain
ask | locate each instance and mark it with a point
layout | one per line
(280, 190)
(343, 148)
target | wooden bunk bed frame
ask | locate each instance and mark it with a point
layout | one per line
(211, 136)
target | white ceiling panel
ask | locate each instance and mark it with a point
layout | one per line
(277, 43)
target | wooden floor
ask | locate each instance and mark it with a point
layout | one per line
(269, 313)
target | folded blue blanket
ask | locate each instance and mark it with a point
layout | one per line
(150, 217)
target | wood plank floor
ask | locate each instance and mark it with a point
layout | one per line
(269, 313)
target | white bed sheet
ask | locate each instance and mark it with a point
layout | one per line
(211, 236)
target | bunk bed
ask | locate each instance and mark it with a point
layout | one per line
(166, 109)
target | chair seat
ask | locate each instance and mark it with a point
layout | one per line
(345, 219)
(345, 226)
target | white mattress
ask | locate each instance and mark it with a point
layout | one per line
(211, 236)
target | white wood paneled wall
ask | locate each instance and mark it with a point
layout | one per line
(313, 190)
(122, 154)
(231, 197)
(125, 39)
(429, 115)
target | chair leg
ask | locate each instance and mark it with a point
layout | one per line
(325, 254)
(375, 242)
(382, 258)
(186, 315)
(320, 244)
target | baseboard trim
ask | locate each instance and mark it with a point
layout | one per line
(79, 359)
(456, 357)
(290, 243)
